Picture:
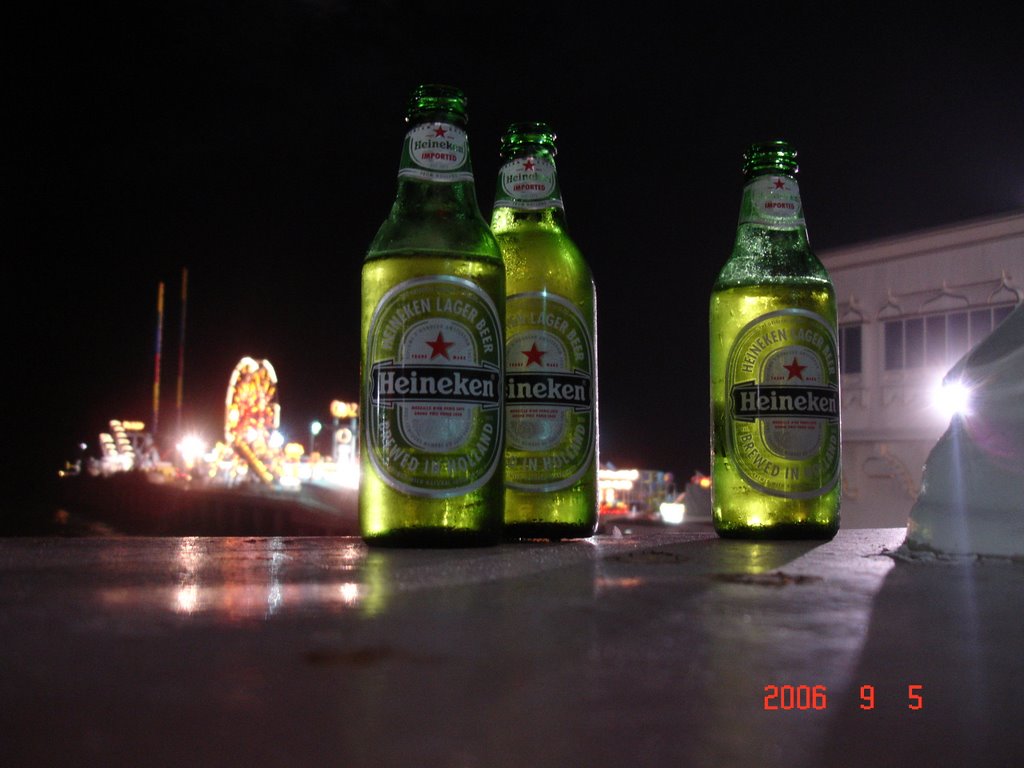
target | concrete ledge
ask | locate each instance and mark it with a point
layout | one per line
(658, 647)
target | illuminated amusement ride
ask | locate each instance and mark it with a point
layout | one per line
(252, 417)
(252, 447)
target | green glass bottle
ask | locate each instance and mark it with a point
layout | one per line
(550, 350)
(433, 313)
(775, 444)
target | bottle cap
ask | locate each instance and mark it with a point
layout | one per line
(519, 135)
(439, 100)
(768, 156)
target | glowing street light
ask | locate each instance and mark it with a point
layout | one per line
(314, 430)
(191, 449)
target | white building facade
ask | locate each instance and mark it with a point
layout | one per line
(909, 308)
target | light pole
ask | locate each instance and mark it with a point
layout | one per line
(314, 430)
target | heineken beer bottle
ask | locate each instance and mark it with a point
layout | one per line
(433, 309)
(550, 349)
(774, 367)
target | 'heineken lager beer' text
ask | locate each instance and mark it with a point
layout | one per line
(433, 313)
(775, 463)
(550, 351)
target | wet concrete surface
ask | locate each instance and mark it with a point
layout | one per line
(652, 647)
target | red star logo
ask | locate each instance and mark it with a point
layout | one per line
(780, 184)
(528, 165)
(439, 346)
(439, 131)
(534, 355)
(795, 370)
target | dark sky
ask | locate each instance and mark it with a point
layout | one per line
(256, 143)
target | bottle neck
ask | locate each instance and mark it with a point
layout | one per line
(528, 181)
(435, 174)
(771, 237)
(772, 201)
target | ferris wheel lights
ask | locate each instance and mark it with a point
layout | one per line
(252, 433)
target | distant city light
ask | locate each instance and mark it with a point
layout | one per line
(191, 448)
(276, 440)
(672, 512)
(618, 479)
(343, 410)
(348, 474)
(952, 399)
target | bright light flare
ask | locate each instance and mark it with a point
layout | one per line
(349, 593)
(348, 476)
(672, 512)
(952, 398)
(187, 598)
(191, 449)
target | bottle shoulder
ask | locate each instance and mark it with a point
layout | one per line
(435, 219)
(766, 255)
(506, 218)
(554, 266)
(542, 230)
(407, 236)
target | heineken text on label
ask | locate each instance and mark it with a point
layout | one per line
(436, 152)
(434, 358)
(783, 423)
(772, 200)
(548, 392)
(528, 183)
(751, 401)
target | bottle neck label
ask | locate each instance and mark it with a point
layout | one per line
(528, 184)
(782, 381)
(436, 152)
(772, 201)
(433, 422)
(550, 393)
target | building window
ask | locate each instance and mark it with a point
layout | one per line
(938, 339)
(913, 342)
(893, 345)
(850, 348)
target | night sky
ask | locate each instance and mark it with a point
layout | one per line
(257, 143)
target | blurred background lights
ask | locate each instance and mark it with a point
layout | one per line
(672, 513)
(191, 449)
